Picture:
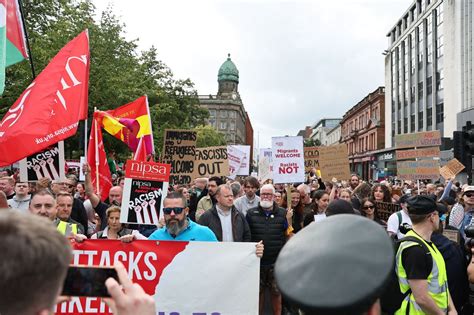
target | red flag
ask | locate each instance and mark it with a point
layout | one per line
(50, 108)
(97, 159)
(140, 154)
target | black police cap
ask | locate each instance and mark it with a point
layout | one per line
(421, 204)
(336, 266)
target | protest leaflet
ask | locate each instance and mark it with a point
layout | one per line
(334, 162)
(161, 268)
(179, 149)
(47, 163)
(288, 159)
(146, 186)
(210, 162)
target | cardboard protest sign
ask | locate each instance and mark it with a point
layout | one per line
(210, 162)
(264, 172)
(451, 169)
(146, 186)
(161, 267)
(385, 209)
(418, 153)
(288, 159)
(311, 158)
(45, 163)
(245, 165)
(415, 170)
(334, 162)
(419, 139)
(179, 149)
(236, 157)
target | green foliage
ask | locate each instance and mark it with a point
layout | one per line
(118, 73)
(311, 142)
(207, 136)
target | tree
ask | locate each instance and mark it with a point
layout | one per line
(118, 73)
(207, 136)
(311, 142)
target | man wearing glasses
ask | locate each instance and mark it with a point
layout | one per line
(21, 199)
(177, 225)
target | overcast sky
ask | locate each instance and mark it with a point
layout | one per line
(299, 61)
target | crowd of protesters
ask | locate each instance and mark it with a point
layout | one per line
(245, 210)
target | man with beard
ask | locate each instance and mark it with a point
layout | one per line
(305, 195)
(209, 201)
(354, 182)
(178, 227)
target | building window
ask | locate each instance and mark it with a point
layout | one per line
(212, 122)
(405, 125)
(212, 113)
(232, 113)
(429, 118)
(412, 123)
(439, 113)
(232, 125)
(223, 113)
(420, 90)
(223, 125)
(429, 85)
(420, 121)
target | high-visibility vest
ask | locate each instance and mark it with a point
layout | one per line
(437, 279)
(66, 228)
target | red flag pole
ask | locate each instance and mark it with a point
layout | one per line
(85, 138)
(96, 155)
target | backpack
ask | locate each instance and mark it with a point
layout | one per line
(392, 298)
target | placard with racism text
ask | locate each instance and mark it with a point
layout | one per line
(47, 163)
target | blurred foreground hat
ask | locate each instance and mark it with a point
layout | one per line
(339, 206)
(423, 205)
(323, 271)
(467, 188)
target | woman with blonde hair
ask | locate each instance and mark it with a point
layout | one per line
(114, 229)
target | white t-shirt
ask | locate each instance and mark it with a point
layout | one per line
(393, 224)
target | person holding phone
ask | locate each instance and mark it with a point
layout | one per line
(115, 230)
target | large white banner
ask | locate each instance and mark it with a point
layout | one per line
(163, 269)
(288, 159)
(236, 157)
(245, 165)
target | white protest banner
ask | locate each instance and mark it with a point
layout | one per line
(288, 159)
(235, 157)
(264, 172)
(245, 166)
(46, 163)
(267, 152)
(146, 186)
(162, 267)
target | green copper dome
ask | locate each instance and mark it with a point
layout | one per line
(228, 71)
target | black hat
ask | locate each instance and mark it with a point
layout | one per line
(322, 271)
(423, 205)
(404, 198)
(339, 206)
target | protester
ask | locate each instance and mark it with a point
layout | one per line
(80, 192)
(462, 213)
(369, 210)
(33, 271)
(339, 206)
(207, 202)
(21, 199)
(3, 200)
(312, 268)
(399, 223)
(268, 223)
(297, 209)
(278, 198)
(362, 191)
(115, 230)
(199, 190)
(236, 190)
(249, 199)
(78, 213)
(184, 191)
(66, 225)
(305, 195)
(345, 194)
(425, 275)
(7, 185)
(321, 201)
(178, 226)
(381, 193)
(354, 182)
(227, 223)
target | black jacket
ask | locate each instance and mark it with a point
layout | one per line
(240, 227)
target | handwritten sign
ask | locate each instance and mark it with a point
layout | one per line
(333, 162)
(179, 151)
(385, 209)
(451, 169)
(210, 162)
(311, 158)
(419, 139)
(415, 170)
(418, 153)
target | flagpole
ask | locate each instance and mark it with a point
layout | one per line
(85, 138)
(96, 156)
(20, 5)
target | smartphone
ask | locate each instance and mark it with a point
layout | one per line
(88, 281)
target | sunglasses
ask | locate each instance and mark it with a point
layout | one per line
(369, 207)
(176, 210)
(469, 194)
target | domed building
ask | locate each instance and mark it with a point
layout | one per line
(226, 111)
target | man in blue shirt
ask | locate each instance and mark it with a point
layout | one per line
(178, 227)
